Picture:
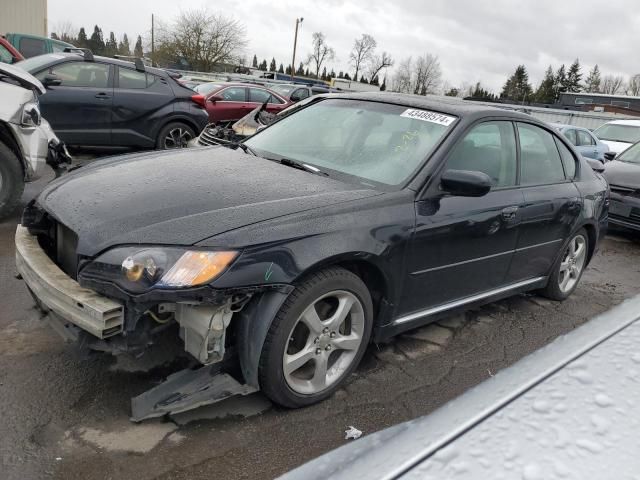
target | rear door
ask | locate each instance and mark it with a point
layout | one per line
(79, 109)
(552, 201)
(257, 96)
(140, 101)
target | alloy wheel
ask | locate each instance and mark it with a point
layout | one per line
(177, 138)
(572, 264)
(324, 342)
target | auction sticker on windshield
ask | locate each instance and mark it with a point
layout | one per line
(427, 116)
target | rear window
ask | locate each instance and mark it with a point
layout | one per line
(618, 133)
(30, 47)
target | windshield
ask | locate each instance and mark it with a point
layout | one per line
(373, 141)
(35, 64)
(283, 89)
(618, 133)
(207, 88)
(631, 154)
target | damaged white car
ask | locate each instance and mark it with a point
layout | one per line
(27, 143)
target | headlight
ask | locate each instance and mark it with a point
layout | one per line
(31, 114)
(138, 269)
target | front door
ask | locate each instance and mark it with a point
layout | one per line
(233, 105)
(79, 109)
(463, 246)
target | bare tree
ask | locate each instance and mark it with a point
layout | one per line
(427, 75)
(362, 52)
(65, 31)
(321, 52)
(612, 85)
(202, 38)
(402, 79)
(633, 88)
(378, 62)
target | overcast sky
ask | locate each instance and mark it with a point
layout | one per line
(475, 40)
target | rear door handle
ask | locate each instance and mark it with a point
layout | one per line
(509, 213)
(103, 96)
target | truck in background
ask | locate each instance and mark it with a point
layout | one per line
(8, 53)
(33, 45)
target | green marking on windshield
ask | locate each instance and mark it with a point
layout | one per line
(268, 273)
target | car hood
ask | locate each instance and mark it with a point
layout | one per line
(181, 198)
(617, 147)
(624, 174)
(23, 78)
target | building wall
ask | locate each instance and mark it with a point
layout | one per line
(23, 16)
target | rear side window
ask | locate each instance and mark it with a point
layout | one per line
(5, 55)
(233, 94)
(568, 160)
(258, 95)
(488, 148)
(30, 47)
(571, 136)
(131, 78)
(540, 162)
(584, 138)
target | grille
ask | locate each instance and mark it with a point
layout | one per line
(208, 137)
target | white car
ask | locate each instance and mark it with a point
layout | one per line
(619, 134)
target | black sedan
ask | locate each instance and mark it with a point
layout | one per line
(105, 102)
(623, 175)
(351, 220)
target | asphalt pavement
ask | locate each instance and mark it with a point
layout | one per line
(65, 417)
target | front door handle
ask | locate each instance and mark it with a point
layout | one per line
(509, 213)
(103, 96)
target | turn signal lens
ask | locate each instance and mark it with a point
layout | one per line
(196, 268)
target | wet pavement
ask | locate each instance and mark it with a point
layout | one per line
(63, 417)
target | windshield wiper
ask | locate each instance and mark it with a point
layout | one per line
(246, 149)
(300, 166)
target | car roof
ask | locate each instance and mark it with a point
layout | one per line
(113, 61)
(631, 123)
(564, 404)
(564, 125)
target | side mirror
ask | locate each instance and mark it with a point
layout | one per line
(465, 183)
(596, 165)
(215, 98)
(610, 156)
(51, 80)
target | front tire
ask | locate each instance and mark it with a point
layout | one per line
(317, 339)
(11, 181)
(174, 135)
(568, 269)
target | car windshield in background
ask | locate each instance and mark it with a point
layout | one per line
(283, 89)
(207, 88)
(374, 141)
(618, 133)
(34, 64)
(631, 154)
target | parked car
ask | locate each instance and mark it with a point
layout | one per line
(585, 142)
(104, 102)
(27, 143)
(206, 88)
(34, 45)
(8, 54)
(619, 135)
(232, 101)
(295, 93)
(570, 410)
(623, 175)
(324, 230)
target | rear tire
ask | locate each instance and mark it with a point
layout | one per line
(174, 135)
(569, 267)
(11, 181)
(320, 333)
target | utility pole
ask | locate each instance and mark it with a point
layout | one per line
(295, 42)
(153, 49)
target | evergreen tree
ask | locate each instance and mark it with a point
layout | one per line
(332, 74)
(281, 69)
(517, 88)
(374, 81)
(341, 74)
(96, 42)
(593, 81)
(324, 74)
(287, 70)
(546, 90)
(82, 39)
(263, 65)
(306, 73)
(560, 84)
(574, 77)
(111, 46)
(137, 50)
(254, 64)
(383, 87)
(123, 47)
(54, 36)
(272, 65)
(346, 76)
(300, 70)
(363, 79)
(453, 92)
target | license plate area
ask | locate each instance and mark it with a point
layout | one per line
(620, 209)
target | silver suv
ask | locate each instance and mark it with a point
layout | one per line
(27, 143)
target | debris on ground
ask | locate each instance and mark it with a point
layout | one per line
(352, 432)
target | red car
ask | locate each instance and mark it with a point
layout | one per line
(8, 54)
(232, 101)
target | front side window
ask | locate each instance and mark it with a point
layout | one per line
(233, 94)
(370, 141)
(540, 162)
(584, 139)
(80, 74)
(631, 154)
(488, 148)
(299, 94)
(131, 78)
